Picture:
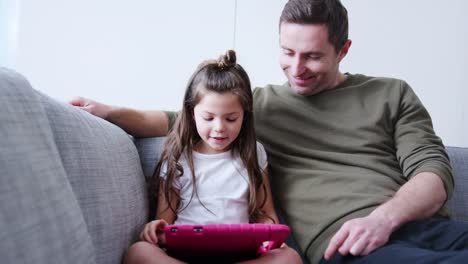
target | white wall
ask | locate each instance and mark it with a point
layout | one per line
(423, 42)
(8, 32)
(140, 53)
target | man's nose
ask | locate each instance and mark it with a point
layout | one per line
(297, 66)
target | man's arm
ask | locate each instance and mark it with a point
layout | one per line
(135, 122)
(140, 123)
(421, 197)
(423, 160)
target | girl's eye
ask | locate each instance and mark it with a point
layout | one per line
(207, 118)
(231, 119)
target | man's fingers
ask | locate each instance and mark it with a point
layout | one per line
(77, 101)
(356, 236)
(358, 247)
(373, 245)
(335, 243)
(81, 103)
(368, 249)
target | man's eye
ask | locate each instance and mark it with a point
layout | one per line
(287, 52)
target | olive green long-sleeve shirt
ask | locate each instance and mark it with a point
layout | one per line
(339, 154)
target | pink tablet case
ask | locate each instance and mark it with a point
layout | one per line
(224, 240)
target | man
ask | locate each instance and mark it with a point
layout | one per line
(354, 160)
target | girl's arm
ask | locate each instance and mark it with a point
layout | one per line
(270, 216)
(164, 211)
(154, 230)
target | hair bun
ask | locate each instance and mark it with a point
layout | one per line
(227, 60)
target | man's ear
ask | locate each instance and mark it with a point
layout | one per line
(344, 50)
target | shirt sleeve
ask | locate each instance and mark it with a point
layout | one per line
(163, 171)
(172, 116)
(261, 156)
(418, 148)
(163, 174)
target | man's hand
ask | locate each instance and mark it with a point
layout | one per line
(154, 232)
(419, 198)
(96, 108)
(360, 236)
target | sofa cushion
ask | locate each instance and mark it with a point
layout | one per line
(40, 217)
(150, 151)
(458, 205)
(104, 170)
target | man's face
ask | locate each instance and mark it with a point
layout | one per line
(308, 59)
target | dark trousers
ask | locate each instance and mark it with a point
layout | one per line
(429, 241)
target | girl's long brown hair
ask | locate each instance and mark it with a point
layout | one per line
(221, 76)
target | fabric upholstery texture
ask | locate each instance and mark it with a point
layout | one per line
(40, 217)
(103, 168)
(150, 150)
(72, 186)
(458, 205)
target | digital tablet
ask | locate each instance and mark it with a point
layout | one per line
(226, 241)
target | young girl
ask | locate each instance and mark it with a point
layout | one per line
(212, 169)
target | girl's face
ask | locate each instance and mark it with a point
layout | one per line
(218, 118)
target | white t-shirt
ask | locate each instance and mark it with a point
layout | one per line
(222, 186)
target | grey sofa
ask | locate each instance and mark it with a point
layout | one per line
(72, 186)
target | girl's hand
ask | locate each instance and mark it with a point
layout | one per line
(154, 232)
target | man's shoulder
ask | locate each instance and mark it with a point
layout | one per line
(381, 83)
(262, 93)
(269, 88)
(361, 78)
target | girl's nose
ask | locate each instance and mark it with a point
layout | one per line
(219, 126)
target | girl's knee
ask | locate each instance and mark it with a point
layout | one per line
(284, 254)
(141, 252)
(291, 255)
